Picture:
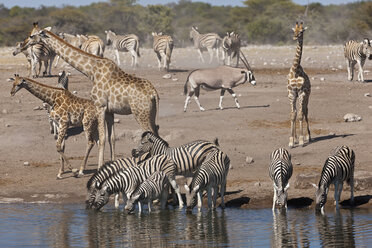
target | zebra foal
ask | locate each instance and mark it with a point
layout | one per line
(209, 42)
(163, 47)
(231, 48)
(338, 167)
(356, 53)
(154, 187)
(280, 171)
(124, 43)
(210, 175)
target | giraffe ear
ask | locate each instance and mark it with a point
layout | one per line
(304, 28)
(10, 80)
(293, 29)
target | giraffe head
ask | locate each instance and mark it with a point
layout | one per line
(18, 83)
(36, 35)
(298, 31)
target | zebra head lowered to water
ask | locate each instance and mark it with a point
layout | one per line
(219, 78)
(338, 167)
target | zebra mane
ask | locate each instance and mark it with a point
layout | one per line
(151, 133)
(94, 177)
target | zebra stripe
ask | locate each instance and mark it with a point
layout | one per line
(231, 47)
(187, 157)
(211, 174)
(338, 167)
(62, 83)
(26, 52)
(154, 187)
(124, 43)
(163, 47)
(280, 171)
(356, 52)
(127, 181)
(93, 45)
(209, 41)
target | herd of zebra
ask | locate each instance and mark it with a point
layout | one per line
(150, 171)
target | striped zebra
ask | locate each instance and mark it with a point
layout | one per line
(210, 175)
(280, 171)
(187, 157)
(26, 52)
(231, 48)
(62, 83)
(338, 167)
(163, 47)
(127, 181)
(356, 52)
(154, 187)
(124, 43)
(106, 171)
(209, 41)
(92, 44)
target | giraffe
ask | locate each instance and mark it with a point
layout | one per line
(68, 110)
(114, 91)
(298, 86)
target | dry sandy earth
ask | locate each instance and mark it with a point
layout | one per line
(259, 127)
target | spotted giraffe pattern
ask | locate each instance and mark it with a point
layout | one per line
(113, 91)
(68, 110)
(298, 86)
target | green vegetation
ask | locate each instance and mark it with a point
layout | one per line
(258, 22)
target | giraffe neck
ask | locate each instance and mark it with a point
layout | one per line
(297, 59)
(43, 92)
(77, 58)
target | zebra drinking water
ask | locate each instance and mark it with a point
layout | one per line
(210, 175)
(280, 171)
(338, 167)
(124, 43)
(154, 187)
(356, 53)
(209, 41)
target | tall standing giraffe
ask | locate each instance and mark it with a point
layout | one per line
(298, 86)
(113, 91)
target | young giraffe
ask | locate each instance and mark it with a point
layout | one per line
(67, 110)
(113, 91)
(298, 87)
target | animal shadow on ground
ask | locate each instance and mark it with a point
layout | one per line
(330, 136)
(358, 200)
(300, 202)
(72, 131)
(242, 107)
(177, 70)
(237, 202)
(367, 81)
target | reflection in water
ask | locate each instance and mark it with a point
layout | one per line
(57, 225)
(336, 231)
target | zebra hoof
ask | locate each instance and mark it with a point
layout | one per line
(59, 177)
(80, 174)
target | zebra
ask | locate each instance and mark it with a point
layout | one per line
(127, 181)
(338, 167)
(105, 172)
(92, 44)
(154, 187)
(163, 47)
(126, 43)
(231, 48)
(210, 175)
(209, 41)
(187, 157)
(280, 171)
(62, 83)
(356, 52)
(27, 54)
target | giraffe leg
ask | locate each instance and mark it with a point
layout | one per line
(301, 118)
(111, 133)
(60, 147)
(292, 100)
(221, 98)
(89, 133)
(102, 134)
(235, 98)
(305, 111)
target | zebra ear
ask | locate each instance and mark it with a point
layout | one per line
(153, 34)
(160, 33)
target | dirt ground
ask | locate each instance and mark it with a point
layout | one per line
(255, 130)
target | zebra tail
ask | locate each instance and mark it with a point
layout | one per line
(137, 49)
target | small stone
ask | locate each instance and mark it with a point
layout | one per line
(265, 63)
(7, 125)
(313, 78)
(167, 76)
(297, 163)
(26, 163)
(116, 120)
(37, 108)
(322, 79)
(249, 160)
(367, 94)
(257, 184)
(4, 111)
(331, 134)
(339, 67)
(74, 170)
(350, 117)
(18, 101)
(370, 107)
(317, 87)
(175, 79)
(74, 92)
